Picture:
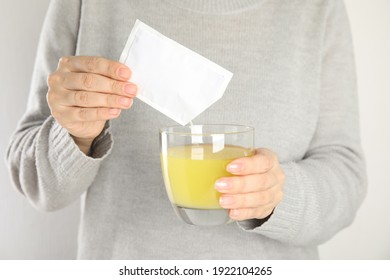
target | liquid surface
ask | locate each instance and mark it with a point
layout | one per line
(190, 173)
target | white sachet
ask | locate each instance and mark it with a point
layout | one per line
(170, 77)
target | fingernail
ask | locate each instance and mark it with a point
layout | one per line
(222, 185)
(131, 89)
(114, 111)
(124, 73)
(124, 101)
(225, 201)
(235, 167)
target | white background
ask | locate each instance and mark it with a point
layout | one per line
(26, 233)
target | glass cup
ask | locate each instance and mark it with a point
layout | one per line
(193, 158)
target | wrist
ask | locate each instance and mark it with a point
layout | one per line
(84, 144)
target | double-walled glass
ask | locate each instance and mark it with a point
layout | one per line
(192, 159)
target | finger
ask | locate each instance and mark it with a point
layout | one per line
(97, 65)
(97, 83)
(250, 213)
(77, 114)
(261, 162)
(249, 200)
(90, 99)
(246, 184)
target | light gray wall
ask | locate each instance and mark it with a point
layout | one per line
(26, 233)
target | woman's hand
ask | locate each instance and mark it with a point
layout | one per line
(256, 188)
(85, 92)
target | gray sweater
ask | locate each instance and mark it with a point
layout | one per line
(294, 81)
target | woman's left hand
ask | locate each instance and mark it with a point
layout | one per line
(256, 187)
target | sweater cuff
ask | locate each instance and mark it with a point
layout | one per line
(69, 158)
(102, 144)
(286, 217)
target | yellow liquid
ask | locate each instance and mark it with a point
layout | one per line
(190, 173)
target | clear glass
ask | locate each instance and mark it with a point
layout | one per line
(192, 159)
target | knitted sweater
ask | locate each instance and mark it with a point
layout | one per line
(294, 81)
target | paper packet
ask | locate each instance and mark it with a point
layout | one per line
(170, 77)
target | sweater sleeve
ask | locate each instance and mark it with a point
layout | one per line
(324, 190)
(45, 163)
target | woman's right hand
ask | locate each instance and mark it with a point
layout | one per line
(84, 92)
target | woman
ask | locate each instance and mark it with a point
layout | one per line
(294, 81)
